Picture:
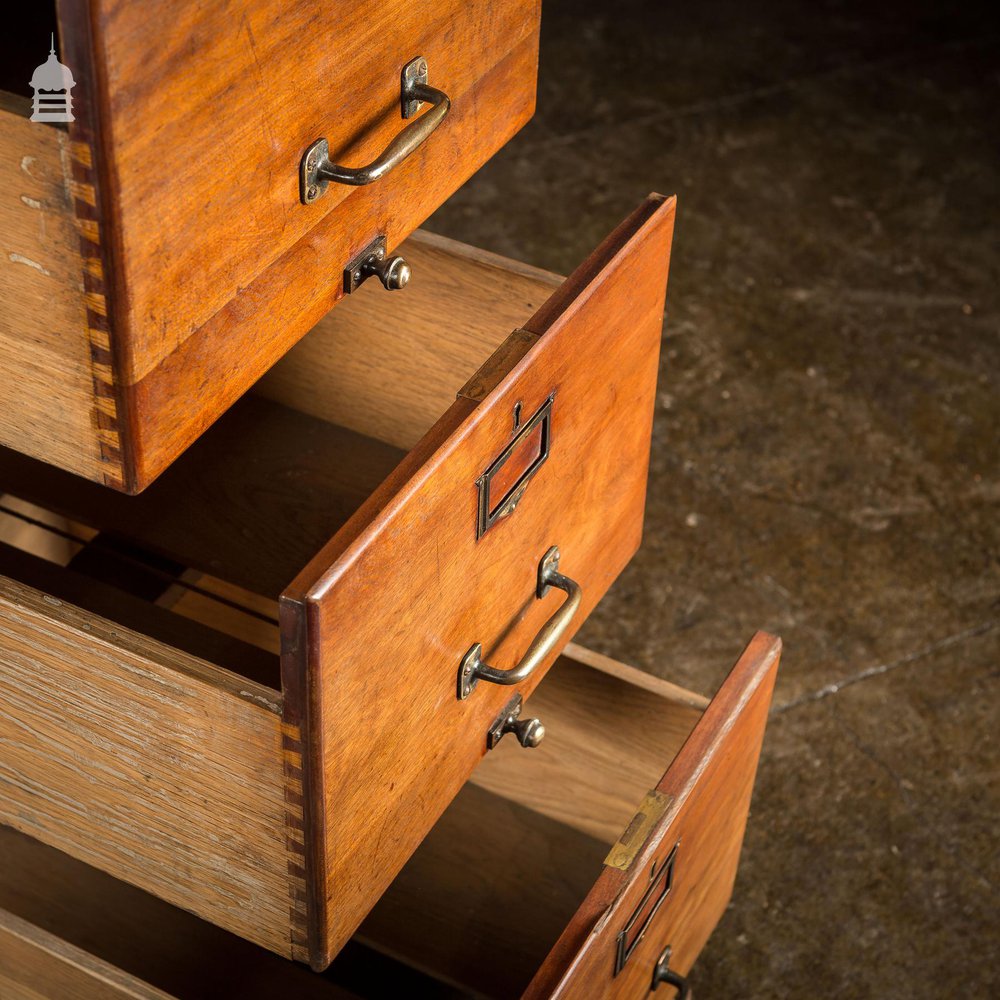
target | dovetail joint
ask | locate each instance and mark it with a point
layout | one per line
(291, 750)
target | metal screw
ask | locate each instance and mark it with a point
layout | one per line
(311, 192)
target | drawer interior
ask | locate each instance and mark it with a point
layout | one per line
(499, 877)
(222, 533)
(477, 908)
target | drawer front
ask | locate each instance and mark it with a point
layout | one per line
(377, 628)
(666, 883)
(202, 264)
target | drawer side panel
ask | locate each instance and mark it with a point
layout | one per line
(47, 389)
(144, 762)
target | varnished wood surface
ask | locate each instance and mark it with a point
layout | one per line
(402, 590)
(183, 263)
(493, 886)
(162, 769)
(252, 502)
(397, 361)
(709, 786)
(47, 389)
(208, 116)
(384, 614)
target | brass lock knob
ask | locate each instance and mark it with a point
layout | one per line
(393, 272)
(529, 732)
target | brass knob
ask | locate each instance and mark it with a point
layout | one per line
(393, 272)
(529, 732)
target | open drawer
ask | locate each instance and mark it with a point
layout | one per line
(275, 783)
(515, 892)
(160, 250)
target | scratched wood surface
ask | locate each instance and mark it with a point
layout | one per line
(383, 615)
(162, 769)
(47, 395)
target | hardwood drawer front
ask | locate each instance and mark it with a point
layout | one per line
(165, 234)
(349, 733)
(501, 899)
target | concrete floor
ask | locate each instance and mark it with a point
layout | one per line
(825, 455)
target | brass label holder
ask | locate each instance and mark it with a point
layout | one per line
(660, 883)
(490, 511)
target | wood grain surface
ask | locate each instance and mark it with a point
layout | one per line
(208, 115)
(252, 502)
(180, 257)
(47, 393)
(607, 742)
(709, 787)
(384, 614)
(159, 768)
(234, 650)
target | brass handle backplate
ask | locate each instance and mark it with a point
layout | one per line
(316, 170)
(473, 669)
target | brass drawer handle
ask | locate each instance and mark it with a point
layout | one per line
(474, 670)
(662, 973)
(316, 171)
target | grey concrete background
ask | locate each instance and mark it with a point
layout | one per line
(825, 458)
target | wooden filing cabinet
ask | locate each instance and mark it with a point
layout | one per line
(270, 690)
